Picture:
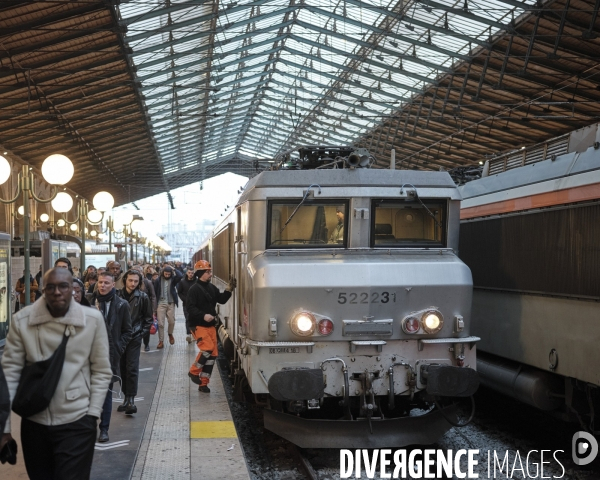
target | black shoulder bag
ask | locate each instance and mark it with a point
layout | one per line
(38, 382)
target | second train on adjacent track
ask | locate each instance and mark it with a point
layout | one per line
(530, 232)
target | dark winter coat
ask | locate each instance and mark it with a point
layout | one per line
(140, 310)
(202, 298)
(148, 289)
(175, 279)
(118, 325)
(183, 287)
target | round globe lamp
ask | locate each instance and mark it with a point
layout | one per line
(137, 225)
(93, 233)
(4, 170)
(63, 202)
(44, 217)
(103, 201)
(94, 216)
(60, 223)
(21, 210)
(123, 217)
(73, 228)
(57, 169)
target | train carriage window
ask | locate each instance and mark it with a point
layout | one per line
(408, 224)
(313, 224)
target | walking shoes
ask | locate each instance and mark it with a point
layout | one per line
(194, 378)
(124, 405)
(171, 339)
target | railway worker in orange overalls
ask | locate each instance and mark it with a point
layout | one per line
(202, 299)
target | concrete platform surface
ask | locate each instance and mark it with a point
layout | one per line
(177, 433)
(189, 434)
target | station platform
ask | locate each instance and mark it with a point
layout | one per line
(178, 432)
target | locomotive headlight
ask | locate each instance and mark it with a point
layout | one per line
(303, 324)
(432, 321)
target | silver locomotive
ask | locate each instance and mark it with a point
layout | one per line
(530, 230)
(352, 310)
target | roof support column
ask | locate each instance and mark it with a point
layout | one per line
(209, 54)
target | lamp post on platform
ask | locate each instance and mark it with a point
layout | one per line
(131, 225)
(83, 216)
(63, 204)
(135, 228)
(56, 170)
(104, 202)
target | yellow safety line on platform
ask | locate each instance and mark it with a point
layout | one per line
(220, 429)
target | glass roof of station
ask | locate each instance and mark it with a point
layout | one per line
(253, 79)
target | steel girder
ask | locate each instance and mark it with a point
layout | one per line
(379, 48)
(395, 36)
(370, 61)
(192, 22)
(218, 30)
(162, 11)
(414, 21)
(341, 90)
(172, 80)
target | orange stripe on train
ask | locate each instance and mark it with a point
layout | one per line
(559, 197)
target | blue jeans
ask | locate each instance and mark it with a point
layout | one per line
(106, 410)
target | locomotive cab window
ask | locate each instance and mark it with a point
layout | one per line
(312, 224)
(408, 224)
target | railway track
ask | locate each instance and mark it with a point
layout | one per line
(501, 425)
(303, 462)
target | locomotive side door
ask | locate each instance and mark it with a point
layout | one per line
(240, 259)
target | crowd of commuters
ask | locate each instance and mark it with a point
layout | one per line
(100, 319)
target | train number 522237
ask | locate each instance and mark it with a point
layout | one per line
(365, 298)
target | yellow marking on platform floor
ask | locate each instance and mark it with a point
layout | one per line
(220, 429)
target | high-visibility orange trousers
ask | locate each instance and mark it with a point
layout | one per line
(206, 340)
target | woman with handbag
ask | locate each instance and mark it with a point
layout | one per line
(56, 384)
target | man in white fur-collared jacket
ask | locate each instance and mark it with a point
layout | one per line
(58, 442)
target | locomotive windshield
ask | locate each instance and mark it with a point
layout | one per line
(408, 224)
(314, 224)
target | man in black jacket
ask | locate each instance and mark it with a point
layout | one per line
(141, 320)
(147, 287)
(182, 290)
(166, 296)
(118, 324)
(202, 299)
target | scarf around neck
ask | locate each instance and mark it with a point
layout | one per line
(104, 299)
(126, 295)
